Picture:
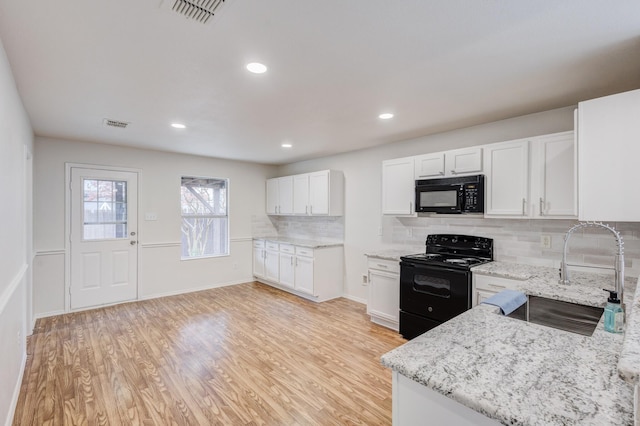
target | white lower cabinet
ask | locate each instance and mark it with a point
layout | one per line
(384, 292)
(485, 286)
(287, 265)
(258, 259)
(304, 275)
(313, 273)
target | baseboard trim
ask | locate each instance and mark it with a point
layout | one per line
(355, 299)
(47, 315)
(193, 290)
(16, 392)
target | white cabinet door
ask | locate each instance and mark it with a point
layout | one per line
(507, 178)
(287, 269)
(384, 295)
(304, 274)
(301, 194)
(319, 193)
(608, 152)
(258, 262)
(554, 183)
(273, 198)
(285, 195)
(398, 186)
(429, 165)
(271, 263)
(463, 161)
(482, 295)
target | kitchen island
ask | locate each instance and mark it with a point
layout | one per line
(515, 372)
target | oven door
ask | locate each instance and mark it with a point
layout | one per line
(439, 198)
(434, 292)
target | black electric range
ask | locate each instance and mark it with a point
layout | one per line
(435, 286)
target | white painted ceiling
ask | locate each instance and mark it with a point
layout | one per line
(334, 65)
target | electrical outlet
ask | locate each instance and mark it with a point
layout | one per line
(150, 216)
(365, 279)
(545, 241)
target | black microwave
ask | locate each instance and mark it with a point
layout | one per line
(463, 194)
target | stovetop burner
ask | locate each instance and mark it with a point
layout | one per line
(460, 251)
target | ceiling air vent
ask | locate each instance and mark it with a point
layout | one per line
(115, 123)
(199, 10)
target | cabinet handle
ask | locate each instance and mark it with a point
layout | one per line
(541, 207)
(441, 173)
(410, 207)
(306, 209)
(291, 260)
(524, 202)
(310, 209)
(381, 265)
(453, 172)
(296, 261)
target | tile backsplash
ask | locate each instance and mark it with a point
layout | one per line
(518, 240)
(319, 228)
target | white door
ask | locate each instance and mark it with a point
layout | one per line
(507, 169)
(104, 226)
(258, 262)
(273, 196)
(319, 193)
(271, 265)
(287, 269)
(429, 165)
(398, 186)
(557, 178)
(304, 275)
(384, 295)
(285, 195)
(301, 194)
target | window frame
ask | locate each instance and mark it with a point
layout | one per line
(205, 216)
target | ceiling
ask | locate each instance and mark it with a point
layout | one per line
(333, 67)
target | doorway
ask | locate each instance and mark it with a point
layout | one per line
(103, 267)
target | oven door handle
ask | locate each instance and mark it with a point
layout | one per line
(434, 268)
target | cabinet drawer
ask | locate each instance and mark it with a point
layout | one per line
(383, 265)
(259, 244)
(272, 246)
(496, 284)
(287, 248)
(304, 251)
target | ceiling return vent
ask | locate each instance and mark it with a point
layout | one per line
(115, 123)
(198, 10)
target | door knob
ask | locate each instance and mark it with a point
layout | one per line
(133, 243)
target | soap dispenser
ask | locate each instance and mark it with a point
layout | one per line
(613, 314)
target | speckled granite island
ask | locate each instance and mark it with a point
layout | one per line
(517, 373)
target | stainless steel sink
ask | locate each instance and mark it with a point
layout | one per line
(566, 316)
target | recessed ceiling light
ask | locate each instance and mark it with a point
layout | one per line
(386, 116)
(178, 126)
(286, 145)
(257, 68)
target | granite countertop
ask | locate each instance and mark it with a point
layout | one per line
(393, 253)
(522, 373)
(302, 242)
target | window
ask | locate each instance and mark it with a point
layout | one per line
(205, 221)
(104, 209)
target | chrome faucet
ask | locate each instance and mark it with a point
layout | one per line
(618, 266)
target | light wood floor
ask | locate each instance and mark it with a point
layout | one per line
(246, 354)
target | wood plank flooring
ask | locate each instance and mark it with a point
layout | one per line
(241, 355)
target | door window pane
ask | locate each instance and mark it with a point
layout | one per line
(104, 210)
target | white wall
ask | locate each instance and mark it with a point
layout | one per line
(363, 176)
(16, 140)
(161, 272)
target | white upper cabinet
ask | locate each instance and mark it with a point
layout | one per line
(554, 176)
(273, 196)
(608, 152)
(318, 194)
(429, 165)
(285, 190)
(507, 178)
(398, 186)
(301, 194)
(457, 162)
